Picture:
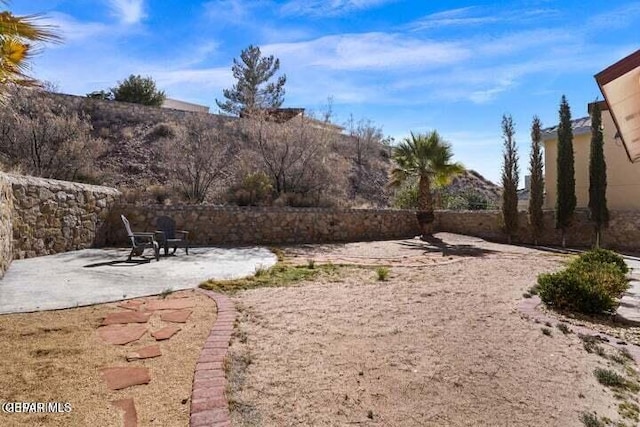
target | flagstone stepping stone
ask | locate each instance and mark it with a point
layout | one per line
(130, 416)
(145, 353)
(179, 316)
(126, 317)
(170, 304)
(121, 334)
(131, 304)
(119, 378)
(165, 333)
(179, 295)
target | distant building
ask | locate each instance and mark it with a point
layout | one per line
(524, 194)
(175, 104)
(623, 177)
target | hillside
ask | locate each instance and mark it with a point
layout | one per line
(153, 154)
(139, 147)
(472, 181)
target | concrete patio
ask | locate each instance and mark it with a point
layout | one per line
(93, 276)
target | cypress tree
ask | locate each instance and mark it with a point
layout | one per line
(509, 178)
(598, 211)
(536, 191)
(566, 185)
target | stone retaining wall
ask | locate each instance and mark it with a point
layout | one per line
(623, 231)
(51, 216)
(6, 224)
(213, 225)
(44, 216)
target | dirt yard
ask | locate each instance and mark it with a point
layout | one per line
(56, 356)
(440, 343)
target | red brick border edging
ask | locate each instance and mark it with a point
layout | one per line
(208, 402)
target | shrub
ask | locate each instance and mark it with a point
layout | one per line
(609, 378)
(161, 131)
(605, 256)
(591, 284)
(254, 190)
(382, 273)
(607, 275)
(568, 290)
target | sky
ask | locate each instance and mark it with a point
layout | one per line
(406, 65)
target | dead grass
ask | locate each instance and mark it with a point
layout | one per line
(55, 356)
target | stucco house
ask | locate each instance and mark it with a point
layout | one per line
(623, 177)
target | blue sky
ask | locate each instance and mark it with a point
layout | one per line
(453, 66)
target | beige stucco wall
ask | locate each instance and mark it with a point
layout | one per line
(623, 177)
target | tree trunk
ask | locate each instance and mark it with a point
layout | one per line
(425, 214)
(564, 238)
(597, 237)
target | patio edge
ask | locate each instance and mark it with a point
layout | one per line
(209, 405)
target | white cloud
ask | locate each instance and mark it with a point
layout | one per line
(369, 51)
(476, 16)
(72, 30)
(453, 17)
(128, 11)
(329, 7)
(229, 11)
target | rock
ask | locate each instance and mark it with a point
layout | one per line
(126, 317)
(145, 353)
(165, 333)
(130, 416)
(119, 378)
(179, 316)
(170, 304)
(121, 334)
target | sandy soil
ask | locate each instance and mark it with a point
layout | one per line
(55, 356)
(439, 344)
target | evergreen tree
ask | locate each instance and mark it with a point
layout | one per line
(566, 185)
(509, 178)
(536, 186)
(253, 91)
(597, 175)
(139, 90)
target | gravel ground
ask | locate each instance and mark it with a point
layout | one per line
(440, 343)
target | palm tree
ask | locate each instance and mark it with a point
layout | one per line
(16, 35)
(427, 157)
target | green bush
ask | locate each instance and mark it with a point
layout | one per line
(591, 284)
(568, 290)
(254, 190)
(604, 256)
(608, 275)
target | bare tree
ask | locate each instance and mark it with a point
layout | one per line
(294, 154)
(365, 136)
(199, 155)
(42, 137)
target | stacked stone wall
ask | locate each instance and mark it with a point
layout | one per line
(214, 225)
(51, 216)
(623, 232)
(6, 224)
